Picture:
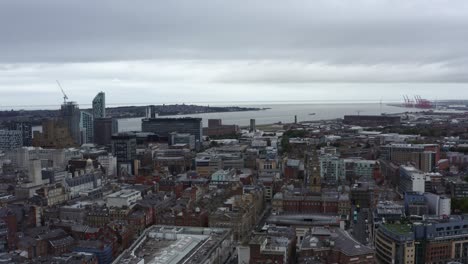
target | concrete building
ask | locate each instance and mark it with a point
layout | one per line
(109, 163)
(303, 201)
(431, 240)
(104, 128)
(331, 169)
(124, 147)
(3, 236)
(99, 105)
(182, 139)
(458, 189)
(359, 169)
(103, 251)
(207, 165)
(87, 127)
(252, 128)
(224, 176)
(58, 157)
(171, 245)
(415, 204)
(70, 115)
(123, 198)
(411, 180)
(28, 188)
(240, 213)
(372, 120)
(82, 183)
(26, 129)
(424, 156)
(165, 126)
(53, 194)
(55, 134)
(425, 161)
(277, 249)
(438, 205)
(10, 139)
(293, 169)
(457, 158)
(216, 128)
(441, 240)
(333, 245)
(394, 244)
(387, 212)
(151, 111)
(175, 160)
(334, 169)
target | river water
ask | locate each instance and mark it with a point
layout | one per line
(283, 112)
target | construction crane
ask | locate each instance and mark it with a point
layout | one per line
(65, 97)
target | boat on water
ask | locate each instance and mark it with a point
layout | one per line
(311, 113)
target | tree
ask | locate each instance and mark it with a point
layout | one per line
(213, 144)
(285, 145)
(460, 205)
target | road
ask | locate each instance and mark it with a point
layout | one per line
(361, 228)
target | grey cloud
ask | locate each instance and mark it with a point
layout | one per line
(167, 49)
(333, 31)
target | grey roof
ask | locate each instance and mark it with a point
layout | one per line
(293, 163)
(343, 242)
(346, 244)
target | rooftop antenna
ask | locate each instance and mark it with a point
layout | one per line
(358, 112)
(65, 97)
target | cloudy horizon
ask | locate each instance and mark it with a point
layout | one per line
(208, 50)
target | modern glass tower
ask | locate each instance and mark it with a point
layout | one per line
(99, 105)
(70, 114)
(87, 127)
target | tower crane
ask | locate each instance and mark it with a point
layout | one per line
(65, 97)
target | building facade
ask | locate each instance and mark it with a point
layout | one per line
(26, 129)
(55, 134)
(124, 147)
(99, 105)
(411, 180)
(394, 244)
(10, 139)
(71, 115)
(87, 127)
(165, 126)
(104, 128)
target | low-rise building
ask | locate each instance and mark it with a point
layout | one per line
(394, 243)
(10, 139)
(207, 165)
(123, 198)
(276, 245)
(171, 244)
(333, 245)
(102, 250)
(438, 205)
(411, 180)
(53, 194)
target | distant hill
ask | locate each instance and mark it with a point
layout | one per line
(36, 116)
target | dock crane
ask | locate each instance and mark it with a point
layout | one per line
(65, 97)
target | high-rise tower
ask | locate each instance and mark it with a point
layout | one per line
(70, 114)
(87, 127)
(99, 105)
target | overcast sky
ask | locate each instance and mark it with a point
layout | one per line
(213, 50)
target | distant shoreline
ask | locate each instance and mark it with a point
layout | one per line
(123, 112)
